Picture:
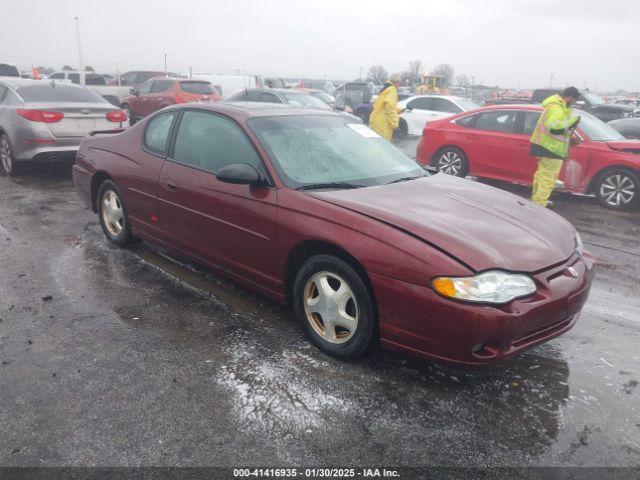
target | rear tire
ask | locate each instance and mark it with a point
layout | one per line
(334, 307)
(113, 214)
(127, 108)
(452, 161)
(8, 166)
(618, 189)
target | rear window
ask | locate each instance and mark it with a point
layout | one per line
(94, 79)
(8, 70)
(201, 88)
(58, 93)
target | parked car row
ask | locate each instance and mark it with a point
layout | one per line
(589, 101)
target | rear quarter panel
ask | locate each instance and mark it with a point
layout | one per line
(135, 172)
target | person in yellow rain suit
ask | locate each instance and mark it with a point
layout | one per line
(385, 114)
(550, 142)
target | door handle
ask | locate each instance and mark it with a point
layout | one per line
(473, 137)
(160, 98)
(170, 185)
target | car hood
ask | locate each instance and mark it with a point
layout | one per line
(616, 106)
(481, 226)
(627, 146)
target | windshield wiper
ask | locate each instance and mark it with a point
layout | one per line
(406, 179)
(337, 185)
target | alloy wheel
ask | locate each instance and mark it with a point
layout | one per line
(617, 190)
(112, 213)
(5, 154)
(450, 163)
(331, 307)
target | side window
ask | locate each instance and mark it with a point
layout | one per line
(75, 78)
(128, 78)
(210, 142)
(254, 96)
(145, 87)
(444, 105)
(423, 103)
(529, 123)
(496, 121)
(161, 86)
(156, 135)
(57, 76)
(269, 98)
(467, 121)
(94, 79)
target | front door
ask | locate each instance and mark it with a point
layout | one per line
(229, 226)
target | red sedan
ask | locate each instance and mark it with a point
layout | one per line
(493, 142)
(157, 93)
(309, 208)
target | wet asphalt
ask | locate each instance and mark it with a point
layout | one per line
(130, 357)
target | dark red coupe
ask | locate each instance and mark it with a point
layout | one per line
(307, 207)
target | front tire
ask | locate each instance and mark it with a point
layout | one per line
(452, 161)
(402, 131)
(113, 214)
(335, 307)
(618, 189)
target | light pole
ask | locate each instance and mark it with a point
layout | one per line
(80, 62)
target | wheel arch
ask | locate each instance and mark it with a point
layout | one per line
(98, 179)
(309, 248)
(591, 186)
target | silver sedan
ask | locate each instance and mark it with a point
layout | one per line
(44, 121)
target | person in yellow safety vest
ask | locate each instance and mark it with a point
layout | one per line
(550, 142)
(385, 117)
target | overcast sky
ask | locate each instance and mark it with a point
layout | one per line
(593, 43)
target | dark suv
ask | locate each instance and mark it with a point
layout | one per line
(592, 103)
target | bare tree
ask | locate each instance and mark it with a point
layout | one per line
(89, 68)
(445, 71)
(415, 69)
(463, 81)
(377, 74)
(67, 67)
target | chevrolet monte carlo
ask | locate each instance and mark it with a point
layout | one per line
(310, 209)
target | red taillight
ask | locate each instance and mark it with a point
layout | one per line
(40, 115)
(117, 116)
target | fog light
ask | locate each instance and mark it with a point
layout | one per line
(477, 348)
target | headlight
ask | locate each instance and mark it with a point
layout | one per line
(494, 286)
(579, 245)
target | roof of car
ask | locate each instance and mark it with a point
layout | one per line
(247, 110)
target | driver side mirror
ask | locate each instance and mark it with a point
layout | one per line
(134, 91)
(339, 108)
(575, 139)
(241, 174)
